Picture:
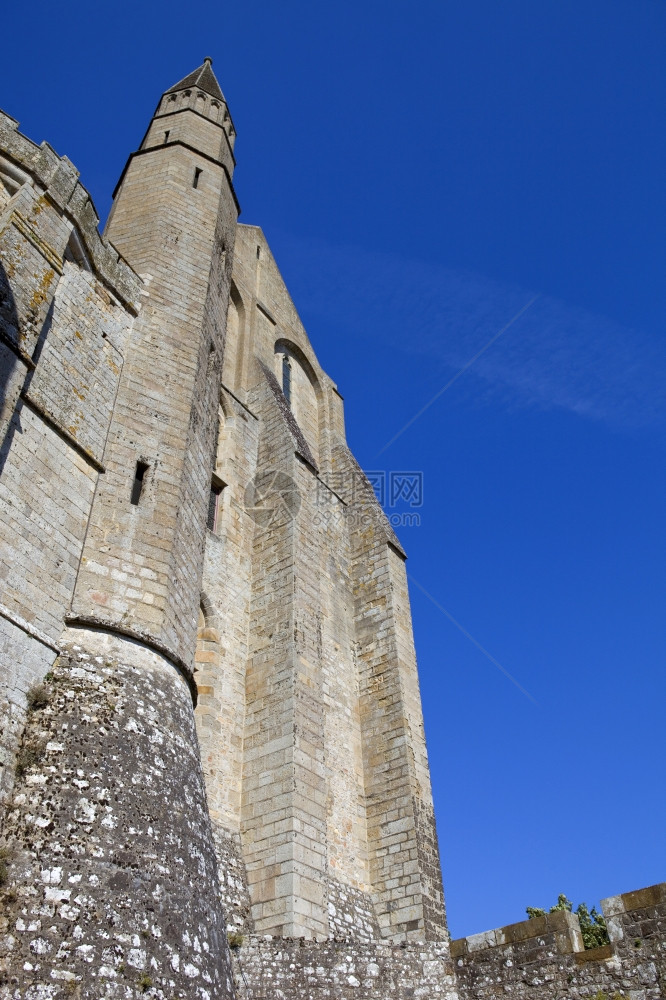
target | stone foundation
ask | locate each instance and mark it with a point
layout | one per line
(350, 913)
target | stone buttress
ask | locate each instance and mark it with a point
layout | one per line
(316, 770)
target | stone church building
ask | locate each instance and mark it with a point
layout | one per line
(213, 772)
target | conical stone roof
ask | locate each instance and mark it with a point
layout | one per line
(203, 78)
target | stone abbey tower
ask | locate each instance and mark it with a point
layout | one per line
(213, 780)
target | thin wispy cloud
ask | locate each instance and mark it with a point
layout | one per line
(475, 642)
(447, 385)
(558, 356)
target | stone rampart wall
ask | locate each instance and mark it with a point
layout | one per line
(341, 970)
(544, 958)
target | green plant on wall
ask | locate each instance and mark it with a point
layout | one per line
(234, 939)
(592, 924)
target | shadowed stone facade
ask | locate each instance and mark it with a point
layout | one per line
(211, 721)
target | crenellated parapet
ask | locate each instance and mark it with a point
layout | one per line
(544, 957)
(56, 179)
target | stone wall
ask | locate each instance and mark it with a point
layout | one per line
(221, 657)
(402, 845)
(222, 650)
(26, 659)
(111, 886)
(342, 970)
(67, 304)
(316, 742)
(142, 566)
(544, 958)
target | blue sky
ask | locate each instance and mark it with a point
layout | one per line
(423, 172)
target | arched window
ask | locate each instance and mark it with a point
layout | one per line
(286, 377)
(215, 504)
(301, 390)
(234, 345)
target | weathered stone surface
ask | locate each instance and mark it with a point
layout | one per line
(543, 958)
(341, 970)
(57, 178)
(112, 883)
(325, 852)
(26, 658)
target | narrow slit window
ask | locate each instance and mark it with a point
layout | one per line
(214, 505)
(197, 174)
(166, 136)
(286, 378)
(137, 485)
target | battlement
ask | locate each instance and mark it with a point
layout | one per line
(564, 927)
(534, 957)
(59, 179)
(560, 931)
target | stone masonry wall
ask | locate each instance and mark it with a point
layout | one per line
(25, 661)
(342, 970)
(321, 862)
(67, 304)
(402, 845)
(222, 651)
(308, 781)
(268, 823)
(112, 887)
(221, 657)
(544, 958)
(142, 565)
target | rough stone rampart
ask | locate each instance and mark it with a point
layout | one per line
(544, 958)
(342, 970)
(111, 887)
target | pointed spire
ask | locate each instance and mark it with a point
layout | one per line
(203, 78)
